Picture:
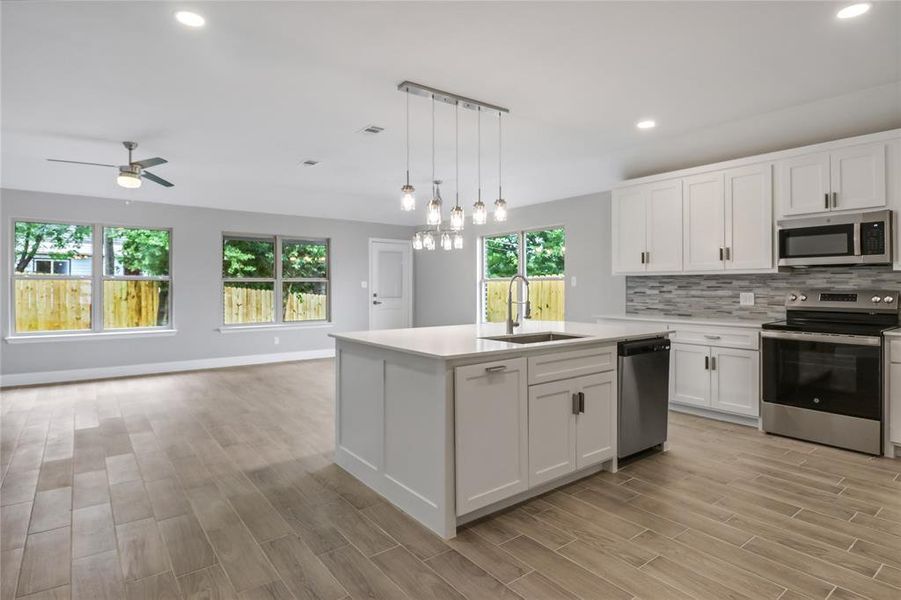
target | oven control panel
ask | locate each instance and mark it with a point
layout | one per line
(860, 300)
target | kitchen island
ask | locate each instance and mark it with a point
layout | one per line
(453, 423)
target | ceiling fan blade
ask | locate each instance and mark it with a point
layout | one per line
(78, 162)
(156, 179)
(150, 162)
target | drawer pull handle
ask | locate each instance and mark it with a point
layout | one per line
(496, 369)
(581, 402)
(712, 337)
(706, 363)
(575, 403)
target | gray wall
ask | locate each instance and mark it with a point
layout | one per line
(196, 269)
(446, 282)
(716, 296)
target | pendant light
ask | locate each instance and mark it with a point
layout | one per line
(458, 240)
(433, 214)
(417, 241)
(479, 212)
(408, 200)
(457, 218)
(428, 240)
(500, 205)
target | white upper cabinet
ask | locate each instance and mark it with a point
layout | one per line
(664, 236)
(804, 184)
(629, 229)
(702, 222)
(849, 178)
(858, 177)
(749, 217)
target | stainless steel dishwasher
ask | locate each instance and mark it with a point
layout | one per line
(643, 394)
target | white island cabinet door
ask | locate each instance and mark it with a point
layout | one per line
(703, 225)
(552, 443)
(804, 184)
(689, 376)
(735, 384)
(596, 423)
(858, 177)
(491, 425)
(629, 223)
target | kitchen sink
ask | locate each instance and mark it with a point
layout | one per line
(534, 338)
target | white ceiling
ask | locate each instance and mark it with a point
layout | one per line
(237, 105)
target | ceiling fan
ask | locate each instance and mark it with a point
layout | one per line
(130, 175)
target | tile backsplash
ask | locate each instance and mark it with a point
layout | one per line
(716, 296)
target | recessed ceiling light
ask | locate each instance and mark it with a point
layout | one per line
(854, 10)
(191, 19)
(646, 124)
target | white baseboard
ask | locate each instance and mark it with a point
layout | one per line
(41, 377)
(715, 415)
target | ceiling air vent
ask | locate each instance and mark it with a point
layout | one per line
(372, 130)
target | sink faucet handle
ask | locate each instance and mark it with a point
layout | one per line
(528, 314)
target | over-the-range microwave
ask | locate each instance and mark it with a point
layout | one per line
(842, 239)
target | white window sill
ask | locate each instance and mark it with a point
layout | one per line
(276, 327)
(81, 337)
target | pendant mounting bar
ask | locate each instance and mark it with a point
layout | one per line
(449, 98)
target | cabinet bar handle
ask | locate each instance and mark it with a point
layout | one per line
(713, 363)
(721, 254)
(642, 258)
(575, 403)
(827, 200)
(706, 363)
(496, 369)
(581, 402)
(712, 337)
(728, 253)
(647, 258)
(834, 199)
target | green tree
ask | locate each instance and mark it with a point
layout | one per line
(545, 252)
(63, 241)
(248, 258)
(141, 252)
(304, 260)
(501, 256)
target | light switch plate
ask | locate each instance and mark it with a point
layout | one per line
(364, 284)
(746, 298)
(573, 281)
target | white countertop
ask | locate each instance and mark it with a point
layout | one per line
(465, 341)
(893, 332)
(756, 323)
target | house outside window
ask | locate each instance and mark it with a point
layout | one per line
(60, 284)
(538, 254)
(269, 280)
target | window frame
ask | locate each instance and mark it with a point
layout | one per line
(96, 278)
(277, 281)
(482, 283)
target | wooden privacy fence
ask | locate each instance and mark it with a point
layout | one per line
(248, 305)
(546, 296)
(65, 304)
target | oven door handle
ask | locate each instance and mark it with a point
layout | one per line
(850, 340)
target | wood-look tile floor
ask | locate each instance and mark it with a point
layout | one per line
(219, 484)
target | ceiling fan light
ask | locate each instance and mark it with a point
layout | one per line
(129, 180)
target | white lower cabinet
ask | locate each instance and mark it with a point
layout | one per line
(723, 379)
(572, 425)
(491, 432)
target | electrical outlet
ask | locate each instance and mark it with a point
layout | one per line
(746, 298)
(572, 281)
(364, 284)
(276, 340)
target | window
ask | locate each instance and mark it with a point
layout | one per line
(274, 279)
(58, 285)
(537, 254)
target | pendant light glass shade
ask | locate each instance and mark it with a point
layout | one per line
(433, 211)
(479, 213)
(457, 218)
(428, 240)
(500, 210)
(417, 241)
(458, 241)
(408, 200)
(446, 241)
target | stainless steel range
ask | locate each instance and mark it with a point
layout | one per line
(822, 368)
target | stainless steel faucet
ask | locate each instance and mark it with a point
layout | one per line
(510, 322)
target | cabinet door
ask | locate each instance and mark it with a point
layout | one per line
(858, 177)
(596, 424)
(552, 417)
(895, 399)
(735, 381)
(628, 235)
(491, 432)
(689, 375)
(804, 184)
(749, 217)
(703, 222)
(664, 229)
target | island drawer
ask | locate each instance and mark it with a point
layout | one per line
(727, 337)
(554, 366)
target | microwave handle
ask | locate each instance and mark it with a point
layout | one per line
(857, 251)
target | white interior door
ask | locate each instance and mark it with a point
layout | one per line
(390, 284)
